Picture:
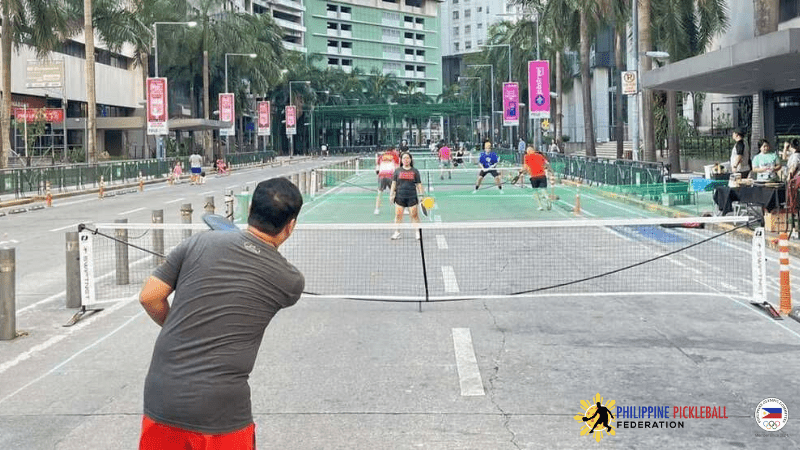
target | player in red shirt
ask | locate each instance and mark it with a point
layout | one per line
(385, 165)
(445, 161)
(537, 167)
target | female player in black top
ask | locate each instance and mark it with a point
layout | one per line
(406, 184)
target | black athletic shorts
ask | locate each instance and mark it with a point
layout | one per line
(491, 172)
(406, 202)
(539, 182)
(384, 183)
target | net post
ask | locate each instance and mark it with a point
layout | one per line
(759, 265)
(121, 254)
(8, 313)
(424, 268)
(157, 216)
(186, 218)
(73, 267)
(229, 203)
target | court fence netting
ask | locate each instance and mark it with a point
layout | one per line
(466, 261)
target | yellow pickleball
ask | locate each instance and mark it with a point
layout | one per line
(428, 202)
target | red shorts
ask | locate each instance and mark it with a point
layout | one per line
(156, 436)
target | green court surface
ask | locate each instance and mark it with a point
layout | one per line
(349, 194)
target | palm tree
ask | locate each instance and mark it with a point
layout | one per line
(685, 28)
(42, 24)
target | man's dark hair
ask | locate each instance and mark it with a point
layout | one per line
(275, 203)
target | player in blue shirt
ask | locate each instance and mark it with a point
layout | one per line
(488, 162)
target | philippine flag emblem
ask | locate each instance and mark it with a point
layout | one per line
(771, 414)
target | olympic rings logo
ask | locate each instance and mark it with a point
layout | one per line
(771, 425)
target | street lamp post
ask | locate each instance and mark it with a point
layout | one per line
(313, 134)
(291, 136)
(160, 144)
(491, 67)
(480, 99)
(509, 73)
(250, 55)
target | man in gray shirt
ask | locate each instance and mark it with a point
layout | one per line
(228, 286)
(196, 164)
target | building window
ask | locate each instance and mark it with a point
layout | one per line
(480, 25)
(480, 8)
(347, 62)
(421, 37)
(346, 9)
(467, 29)
(467, 13)
(332, 8)
(333, 26)
(333, 61)
(455, 31)
(480, 42)
(455, 47)
(455, 15)
(455, 2)
(467, 45)
(421, 53)
(420, 21)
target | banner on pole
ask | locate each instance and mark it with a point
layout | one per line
(629, 82)
(510, 104)
(157, 107)
(227, 113)
(291, 120)
(539, 89)
(264, 118)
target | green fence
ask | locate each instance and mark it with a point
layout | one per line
(79, 176)
(606, 171)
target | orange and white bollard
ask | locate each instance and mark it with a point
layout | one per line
(48, 197)
(101, 192)
(141, 182)
(786, 288)
(577, 208)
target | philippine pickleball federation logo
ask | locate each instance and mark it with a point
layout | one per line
(771, 414)
(597, 418)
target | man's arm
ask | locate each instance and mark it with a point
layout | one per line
(153, 299)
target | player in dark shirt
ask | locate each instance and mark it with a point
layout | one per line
(406, 188)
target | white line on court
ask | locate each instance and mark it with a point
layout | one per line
(449, 277)
(75, 202)
(441, 242)
(10, 241)
(74, 225)
(469, 376)
(232, 186)
(206, 193)
(174, 201)
(130, 212)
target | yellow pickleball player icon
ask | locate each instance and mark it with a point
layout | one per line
(545, 125)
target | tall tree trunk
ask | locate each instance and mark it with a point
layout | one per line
(586, 82)
(5, 114)
(645, 64)
(672, 132)
(91, 101)
(619, 130)
(559, 131)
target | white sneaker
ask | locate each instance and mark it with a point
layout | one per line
(501, 191)
(541, 209)
(396, 236)
(475, 191)
(377, 211)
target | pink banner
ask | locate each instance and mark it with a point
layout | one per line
(291, 120)
(539, 89)
(227, 113)
(263, 118)
(51, 115)
(510, 104)
(157, 114)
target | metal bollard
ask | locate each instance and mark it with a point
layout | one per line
(121, 254)
(209, 205)
(73, 270)
(8, 309)
(229, 203)
(186, 217)
(158, 236)
(295, 179)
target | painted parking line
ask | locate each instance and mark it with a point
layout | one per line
(73, 226)
(130, 212)
(449, 277)
(174, 201)
(441, 242)
(469, 376)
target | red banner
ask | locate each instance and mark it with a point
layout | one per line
(263, 118)
(157, 106)
(51, 115)
(227, 113)
(291, 120)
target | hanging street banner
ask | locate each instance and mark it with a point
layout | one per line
(227, 113)
(511, 104)
(291, 120)
(44, 74)
(539, 89)
(629, 82)
(50, 115)
(157, 107)
(263, 118)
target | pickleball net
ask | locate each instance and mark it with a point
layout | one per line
(470, 260)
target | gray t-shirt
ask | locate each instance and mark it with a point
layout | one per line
(195, 160)
(228, 286)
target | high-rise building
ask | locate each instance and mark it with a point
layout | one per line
(390, 36)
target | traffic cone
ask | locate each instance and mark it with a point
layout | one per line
(48, 198)
(786, 289)
(141, 182)
(577, 208)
